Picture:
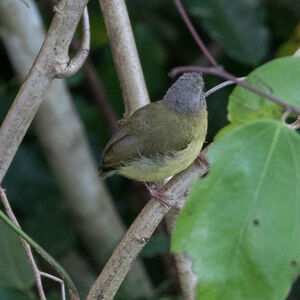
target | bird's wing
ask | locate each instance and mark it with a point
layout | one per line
(121, 149)
(140, 136)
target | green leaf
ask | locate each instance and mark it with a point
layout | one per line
(241, 224)
(280, 78)
(10, 294)
(15, 270)
(239, 25)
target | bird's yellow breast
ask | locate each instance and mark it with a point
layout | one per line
(162, 166)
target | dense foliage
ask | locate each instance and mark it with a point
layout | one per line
(240, 224)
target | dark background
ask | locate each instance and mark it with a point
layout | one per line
(241, 35)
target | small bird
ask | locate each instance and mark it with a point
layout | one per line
(162, 138)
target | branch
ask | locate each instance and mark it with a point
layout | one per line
(70, 67)
(194, 33)
(222, 85)
(219, 70)
(53, 53)
(187, 278)
(36, 271)
(125, 55)
(139, 233)
(16, 228)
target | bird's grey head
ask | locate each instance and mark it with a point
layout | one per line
(186, 94)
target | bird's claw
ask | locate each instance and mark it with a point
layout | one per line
(157, 195)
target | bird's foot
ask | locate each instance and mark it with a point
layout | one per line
(157, 195)
(201, 159)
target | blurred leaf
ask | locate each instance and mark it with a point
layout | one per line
(15, 270)
(239, 25)
(10, 294)
(240, 225)
(75, 79)
(29, 180)
(51, 227)
(54, 295)
(290, 47)
(98, 30)
(110, 80)
(158, 244)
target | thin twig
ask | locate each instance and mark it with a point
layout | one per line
(27, 248)
(59, 269)
(36, 271)
(219, 71)
(194, 33)
(222, 85)
(70, 67)
(60, 281)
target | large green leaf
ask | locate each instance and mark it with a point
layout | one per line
(280, 78)
(241, 224)
(239, 25)
(15, 271)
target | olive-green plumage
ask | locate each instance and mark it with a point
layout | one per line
(162, 138)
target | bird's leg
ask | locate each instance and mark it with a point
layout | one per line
(160, 197)
(202, 159)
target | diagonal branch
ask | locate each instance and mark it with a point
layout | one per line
(53, 52)
(140, 232)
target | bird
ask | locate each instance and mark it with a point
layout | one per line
(162, 138)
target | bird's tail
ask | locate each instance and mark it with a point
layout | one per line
(106, 172)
